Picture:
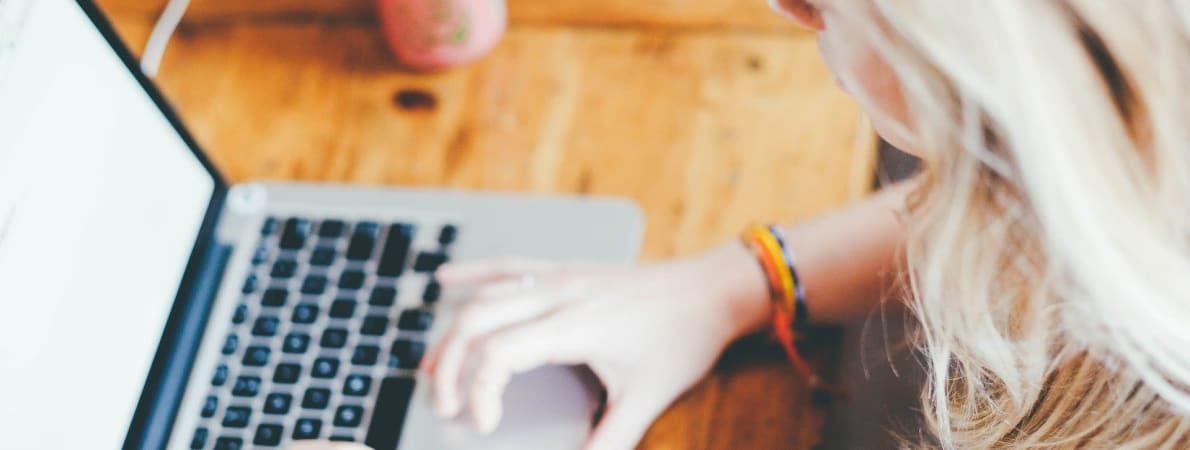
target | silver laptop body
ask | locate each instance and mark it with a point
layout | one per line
(550, 408)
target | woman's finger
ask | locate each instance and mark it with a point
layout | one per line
(508, 352)
(489, 271)
(495, 307)
(478, 273)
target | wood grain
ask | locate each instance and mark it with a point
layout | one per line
(708, 129)
(751, 14)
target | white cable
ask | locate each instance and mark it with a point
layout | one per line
(150, 62)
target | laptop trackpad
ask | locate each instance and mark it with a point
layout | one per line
(549, 408)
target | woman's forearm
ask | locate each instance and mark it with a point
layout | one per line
(846, 260)
(849, 259)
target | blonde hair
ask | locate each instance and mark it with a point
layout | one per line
(1050, 238)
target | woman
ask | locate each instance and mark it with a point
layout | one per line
(1043, 249)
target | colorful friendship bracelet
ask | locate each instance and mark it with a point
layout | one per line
(786, 293)
(774, 260)
(769, 244)
(801, 311)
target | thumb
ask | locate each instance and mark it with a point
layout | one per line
(626, 421)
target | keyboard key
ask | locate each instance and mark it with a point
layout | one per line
(432, 293)
(265, 326)
(230, 344)
(388, 417)
(250, 284)
(324, 368)
(269, 226)
(200, 439)
(237, 417)
(395, 254)
(307, 429)
(246, 386)
(295, 233)
(447, 234)
(367, 226)
(283, 269)
(305, 313)
(428, 262)
(357, 385)
(229, 443)
(334, 338)
(415, 320)
(348, 416)
(331, 228)
(260, 255)
(342, 309)
(351, 280)
(406, 353)
(296, 343)
(374, 325)
(221, 374)
(240, 315)
(316, 398)
(277, 403)
(365, 355)
(210, 406)
(287, 373)
(256, 356)
(314, 285)
(274, 297)
(268, 435)
(383, 296)
(342, 438)
(322, 256)
(361, 244)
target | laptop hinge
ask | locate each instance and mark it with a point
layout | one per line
(179, 346)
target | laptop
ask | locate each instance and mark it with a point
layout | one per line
(145, 302)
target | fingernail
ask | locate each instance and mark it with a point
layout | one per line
(487, 425)
(440, 407)
(490, 420)
(452, 408)
(444, 410)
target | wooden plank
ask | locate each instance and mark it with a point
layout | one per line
(752, 14)
(707, 130)
(749, 401)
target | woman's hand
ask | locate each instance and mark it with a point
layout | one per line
(648, 333)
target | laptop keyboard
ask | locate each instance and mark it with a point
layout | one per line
(321, 345)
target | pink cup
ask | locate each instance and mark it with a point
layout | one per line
(439, 34)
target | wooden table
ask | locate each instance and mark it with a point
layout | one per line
(711, 114)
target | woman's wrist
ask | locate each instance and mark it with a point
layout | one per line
(846, 261)
(739, 283)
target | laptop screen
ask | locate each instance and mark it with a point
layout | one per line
(100, 204)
